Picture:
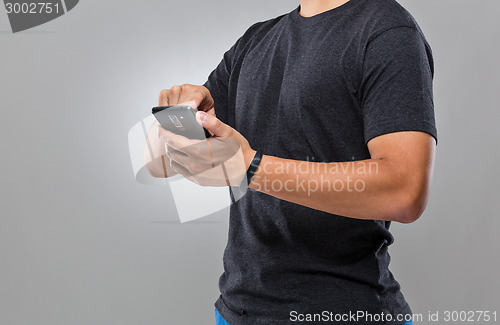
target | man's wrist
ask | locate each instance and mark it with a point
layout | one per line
(252, 169)
(248, 157)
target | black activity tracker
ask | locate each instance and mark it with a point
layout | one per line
(253, 166)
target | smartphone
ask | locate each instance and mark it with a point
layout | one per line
(180, 119)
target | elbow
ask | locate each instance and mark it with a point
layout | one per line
(411, 206)
(410, 214)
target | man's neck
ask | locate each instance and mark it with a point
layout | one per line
(309, 8)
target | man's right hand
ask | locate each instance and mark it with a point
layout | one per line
(198, 97)
(195, 96)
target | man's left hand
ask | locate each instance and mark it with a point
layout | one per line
(221, 160)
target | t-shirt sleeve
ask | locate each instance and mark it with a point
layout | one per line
(396, 89)
(218, 82)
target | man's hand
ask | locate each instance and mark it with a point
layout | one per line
(155, 158)
(221, 160)
(195, 96)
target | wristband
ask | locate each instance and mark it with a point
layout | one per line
(253, 166)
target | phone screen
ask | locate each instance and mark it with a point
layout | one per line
(180, 120)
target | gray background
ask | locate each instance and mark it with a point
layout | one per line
(82, 243)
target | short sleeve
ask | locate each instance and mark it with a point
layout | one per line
(396, 88)
(218, 82)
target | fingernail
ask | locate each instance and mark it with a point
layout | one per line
(203, 116)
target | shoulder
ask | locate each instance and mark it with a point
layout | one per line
(260, 28)
(383, 15)
(253, 35)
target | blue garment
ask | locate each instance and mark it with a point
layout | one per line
(220, 321)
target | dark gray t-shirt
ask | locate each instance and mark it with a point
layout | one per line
(318, 89)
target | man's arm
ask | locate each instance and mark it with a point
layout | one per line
(393, 185)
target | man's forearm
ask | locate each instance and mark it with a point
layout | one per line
(370, 189)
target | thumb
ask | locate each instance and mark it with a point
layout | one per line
(214, 125)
